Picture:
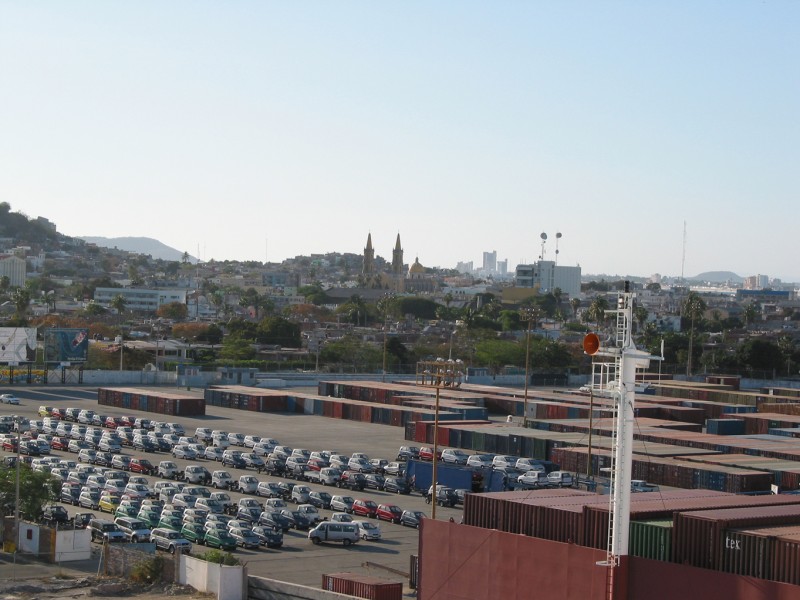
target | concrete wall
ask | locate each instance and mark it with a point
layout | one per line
(29, 538)
(228, 583)
(261, 588)
(72, 544)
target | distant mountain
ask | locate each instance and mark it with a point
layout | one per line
(140, 245)
(719, 277)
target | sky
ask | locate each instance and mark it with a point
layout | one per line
(656, 137)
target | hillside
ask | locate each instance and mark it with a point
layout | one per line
(719, 277)
(140, 245)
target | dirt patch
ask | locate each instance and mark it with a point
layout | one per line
(94, 588)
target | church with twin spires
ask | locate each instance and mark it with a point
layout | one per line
(396, 279)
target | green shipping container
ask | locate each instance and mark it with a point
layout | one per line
(651, 539)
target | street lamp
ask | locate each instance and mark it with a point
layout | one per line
(438, 374)
(529, 314)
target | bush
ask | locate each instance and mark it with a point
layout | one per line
(148, 571)
(219, 557)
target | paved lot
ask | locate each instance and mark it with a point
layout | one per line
(298, 561)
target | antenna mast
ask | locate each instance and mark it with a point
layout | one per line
(683, 258)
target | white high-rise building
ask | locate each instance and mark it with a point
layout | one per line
(490, 261)
(547, 276)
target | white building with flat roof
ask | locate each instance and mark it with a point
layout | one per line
(14, 268)
(547, 276)
(139, 299)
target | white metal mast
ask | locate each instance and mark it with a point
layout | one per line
(618, 377)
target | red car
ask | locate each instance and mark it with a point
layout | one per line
(59, 443)
(426, 453)
(365, 508)
(57, 413)
(389, 512)
(10, 444)
(315, 464)
(141, 465)
(112, 422)
(126, 421)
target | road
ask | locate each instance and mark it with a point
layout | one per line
(298, 561)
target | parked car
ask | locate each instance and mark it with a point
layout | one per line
(271, 537)
(104, 531)
(135, 530)
(374, 481)
(219, 538)
(310, 512)
(407, 453)
(426, 453)
(269, 489)
(454, 456)
(365, 507)
(560, 479)
(222, 480)
(275, 519)
(389, 512)
(142, 465)
(342, 503)
(213, 453)
(397, 485)
(346, 533)
(368, 530)
(245, 537)
(352, 480)
(320, 499)
(170, 540)
(194, 532)
(300, 494)
(395, 468)
(412, 518)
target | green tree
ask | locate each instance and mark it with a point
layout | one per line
(119, 304)
(277, 330)
(497, 353)
(177, 311)
(234, 348)
(94, 309)
(760, 355)
(22, 300)
(5, 284)
(36, 489)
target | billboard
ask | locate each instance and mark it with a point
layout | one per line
(17, 344)
(66, 345)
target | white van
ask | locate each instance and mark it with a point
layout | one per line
(327, 531)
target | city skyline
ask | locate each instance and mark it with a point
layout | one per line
(262, 131)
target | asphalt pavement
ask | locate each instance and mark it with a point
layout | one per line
(298, 561)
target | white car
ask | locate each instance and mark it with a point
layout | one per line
(9, 399)
(251, 440)
(368, 530)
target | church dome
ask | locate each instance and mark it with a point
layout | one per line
(416, 268)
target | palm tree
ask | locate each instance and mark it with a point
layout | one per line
(640, 312)
(22, 300)
(575, 303)
(597, 310)
(750, 313)
(119, 304)
(694, 307)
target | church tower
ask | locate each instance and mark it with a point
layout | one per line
(397, 259)
(369, 257)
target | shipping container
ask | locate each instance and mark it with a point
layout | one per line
(362, 586)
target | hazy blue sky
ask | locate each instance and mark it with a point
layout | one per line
(255, 130)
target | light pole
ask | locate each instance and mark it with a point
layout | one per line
(18, 421)
(385, 301)
(529, 314)
(118, 339)
(438, 374)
